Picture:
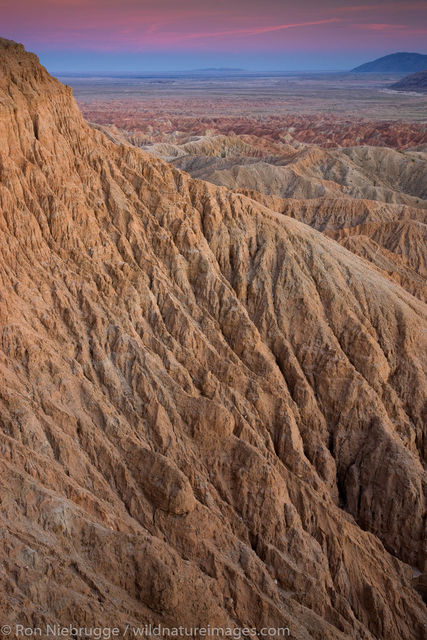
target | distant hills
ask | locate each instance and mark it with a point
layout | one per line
(395, 62)
(219, 70)
(413, 82)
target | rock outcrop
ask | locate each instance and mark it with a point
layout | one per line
(211, 413)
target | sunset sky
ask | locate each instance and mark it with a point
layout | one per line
(166, 35)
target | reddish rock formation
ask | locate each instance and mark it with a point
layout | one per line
(148, 123)
(210, 413)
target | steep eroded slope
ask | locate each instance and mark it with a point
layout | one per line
(210, 412)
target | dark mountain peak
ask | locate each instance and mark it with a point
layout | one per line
(400, 62)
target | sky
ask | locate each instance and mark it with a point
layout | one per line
(139, 36)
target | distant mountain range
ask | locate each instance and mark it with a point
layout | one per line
(413, 82)
(396, 62)
(218, 70)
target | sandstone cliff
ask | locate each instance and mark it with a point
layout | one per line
(210, 412)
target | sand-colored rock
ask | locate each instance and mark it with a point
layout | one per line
(351, 195)
(392, 237)
(211, 413)
(296, 170)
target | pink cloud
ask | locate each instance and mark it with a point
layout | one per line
(380, 26)
(392, 7)
(248, 31)
(199, 24)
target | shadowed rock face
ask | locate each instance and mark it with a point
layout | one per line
(210, 412)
